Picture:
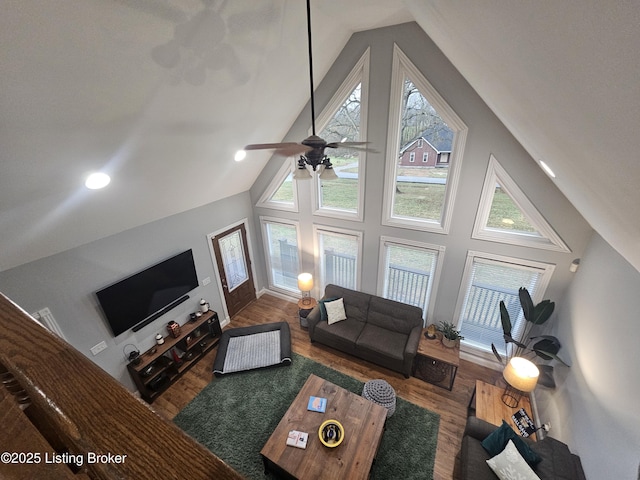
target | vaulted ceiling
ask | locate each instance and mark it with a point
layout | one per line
(161, 93)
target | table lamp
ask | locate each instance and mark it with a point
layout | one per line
(305, 284)
(521, 376)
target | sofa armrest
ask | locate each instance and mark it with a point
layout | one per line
(478, 429)
(411, 348)
(312, 319)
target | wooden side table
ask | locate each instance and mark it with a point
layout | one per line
(435, 363)
(305, 308)
(491, 408)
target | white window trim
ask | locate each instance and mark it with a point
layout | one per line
(425, 156)
(439, 249)
(412, 157)
(279, 178)
(264, 220)
(401, 66)
(358, 75)
(548, 238)
(537, 296)
(317, 230)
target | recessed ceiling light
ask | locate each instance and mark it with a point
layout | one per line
(97, 180)
(240, 155)
(546, 168)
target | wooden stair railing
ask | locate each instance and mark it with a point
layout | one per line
(66, 407)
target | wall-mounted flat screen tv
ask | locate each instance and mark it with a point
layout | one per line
(139, 299)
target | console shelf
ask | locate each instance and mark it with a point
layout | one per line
(158, 369)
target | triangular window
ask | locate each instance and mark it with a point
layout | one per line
(282, 193)
(424, 156)
(506, 215)
(344, 119)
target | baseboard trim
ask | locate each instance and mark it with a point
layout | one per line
(275, 293)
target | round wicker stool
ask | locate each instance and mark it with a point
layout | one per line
(380, 392)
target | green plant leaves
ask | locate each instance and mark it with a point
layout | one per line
(495, 352)
(542, 312)
(547, 348)
(526, 303)
(506, 320)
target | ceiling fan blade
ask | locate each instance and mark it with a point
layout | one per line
(286, 149)
(352, 146)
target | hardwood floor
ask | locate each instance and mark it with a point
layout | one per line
(452, 406)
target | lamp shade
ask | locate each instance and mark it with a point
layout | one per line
(521, 374)
(305, 282)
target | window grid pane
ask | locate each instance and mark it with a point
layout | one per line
(489, 283)
(342, 193)
(409, 274)
(420, 188)
(283, 255)
(232, 252)
(338, 259)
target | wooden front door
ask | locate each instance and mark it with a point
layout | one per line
(234, 267)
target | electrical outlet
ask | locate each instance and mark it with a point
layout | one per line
(206, 281)
(96, 349)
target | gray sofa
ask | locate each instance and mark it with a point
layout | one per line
(378, 330)
(557, 463)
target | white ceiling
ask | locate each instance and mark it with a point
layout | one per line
(81, 89)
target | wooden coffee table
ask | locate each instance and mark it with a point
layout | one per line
(362, 420)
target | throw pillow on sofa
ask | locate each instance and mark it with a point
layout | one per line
(497, 441)
(335, 311)
(323, 309)
(510, 465)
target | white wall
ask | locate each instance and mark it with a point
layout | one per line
(66, 282)
(595, 405)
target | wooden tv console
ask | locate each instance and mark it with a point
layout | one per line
(157, 369)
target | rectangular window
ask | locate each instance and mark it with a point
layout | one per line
(412, 157)
(281, 249)
(408, 272)
(488, 279)
(425, 157)
(338, 253)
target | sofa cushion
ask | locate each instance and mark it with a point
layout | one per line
(380, 340)
(335, 311)
(498, 439)
(341, 332)
(356, 304)
(509, 465)
(392, 315)
(557, 460)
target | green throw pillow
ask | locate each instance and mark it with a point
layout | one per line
(497, 441)
(323, 309)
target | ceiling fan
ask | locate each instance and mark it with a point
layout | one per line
(312, 148)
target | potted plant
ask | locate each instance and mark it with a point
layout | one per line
(450, 334)
(545, 347)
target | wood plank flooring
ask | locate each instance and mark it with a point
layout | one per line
(452, 406)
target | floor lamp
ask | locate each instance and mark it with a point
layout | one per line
(521, 376)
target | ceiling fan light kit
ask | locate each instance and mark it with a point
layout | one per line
(312, 148)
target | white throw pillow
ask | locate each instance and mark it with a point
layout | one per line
(509, 465)
(335, 311)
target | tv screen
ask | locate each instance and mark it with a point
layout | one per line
(139, 299)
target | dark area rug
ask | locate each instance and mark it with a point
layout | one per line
(235, 415)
